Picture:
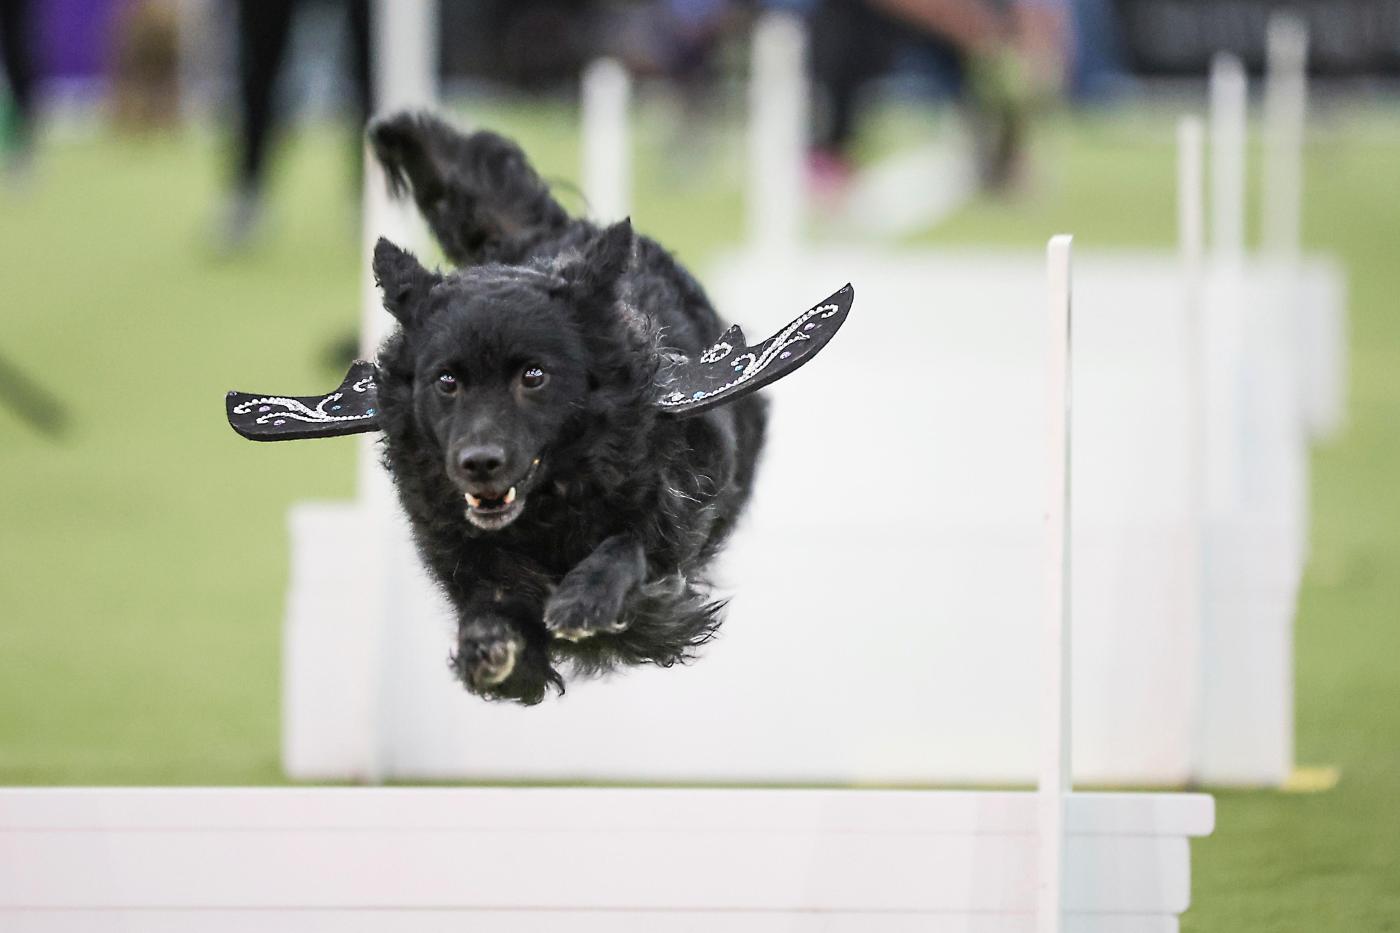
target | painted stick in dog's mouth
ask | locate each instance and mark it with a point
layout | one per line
(492, 512)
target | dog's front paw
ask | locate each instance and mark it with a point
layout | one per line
(580, 608)
(494, 660)
(487, 652)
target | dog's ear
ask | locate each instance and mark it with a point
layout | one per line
(594, 280)
(404, 281)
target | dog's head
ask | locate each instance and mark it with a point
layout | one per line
(500, 361)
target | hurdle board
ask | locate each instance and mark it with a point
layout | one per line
(1186, 673)
(938, 375)
(525, 859)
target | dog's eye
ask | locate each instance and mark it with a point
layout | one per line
(533, 377)
(446, 383)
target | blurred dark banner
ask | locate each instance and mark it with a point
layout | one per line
(1178, 37)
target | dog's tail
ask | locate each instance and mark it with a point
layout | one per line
(477, 191)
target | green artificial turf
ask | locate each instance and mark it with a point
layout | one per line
(143, 556)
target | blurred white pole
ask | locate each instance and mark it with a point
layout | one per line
(1191, 233)
(607, 142)
(1190, 205)
(1229, 111)
(1225, 325)
(1285, 115)
(1055, 763)
(403, 58)
(778, 121)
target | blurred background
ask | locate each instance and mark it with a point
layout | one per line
(180, 198)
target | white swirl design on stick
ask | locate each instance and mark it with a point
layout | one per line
(281, 407)
(716, 353)
(756, 363)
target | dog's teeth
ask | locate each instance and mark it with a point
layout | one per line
(473, 501)
(510, 496)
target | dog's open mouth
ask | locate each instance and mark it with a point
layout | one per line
(492, 510)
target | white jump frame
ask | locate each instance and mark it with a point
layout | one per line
(635, 859)
(623, 860)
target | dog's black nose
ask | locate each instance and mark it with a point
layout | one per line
(481, 463)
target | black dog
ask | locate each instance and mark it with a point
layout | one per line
(567, 519)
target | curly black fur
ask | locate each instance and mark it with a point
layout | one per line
(605, 563)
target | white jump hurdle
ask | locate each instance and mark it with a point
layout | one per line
(1175, 700)
(629, 859)
(1196, 596)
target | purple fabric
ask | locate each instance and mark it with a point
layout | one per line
(74, 36)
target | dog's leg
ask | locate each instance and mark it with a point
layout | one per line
(589, 599)
(500, 659)
(477, 191)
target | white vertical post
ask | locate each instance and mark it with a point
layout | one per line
(1190, 200)
(1191, 233)
(1055, 762)
(778, 108)
(403, 59)
(1225, 327)
(607, 163)
(1285, 113)
(1229, 113)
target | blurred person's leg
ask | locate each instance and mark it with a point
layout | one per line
(852, 43)
(344, 348)
(971, 26)
(1008, 55)
(263, 30)
(1099, 66)
(16, 127)
(1043, 37)
(145, 65)
(1011, 82)
(361, 75)
(1036, 30)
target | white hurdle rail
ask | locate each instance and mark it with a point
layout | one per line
(512, 859)
(517, 859)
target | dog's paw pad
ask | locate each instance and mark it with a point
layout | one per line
(576, 618)
(496, 664)
(486, 663)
